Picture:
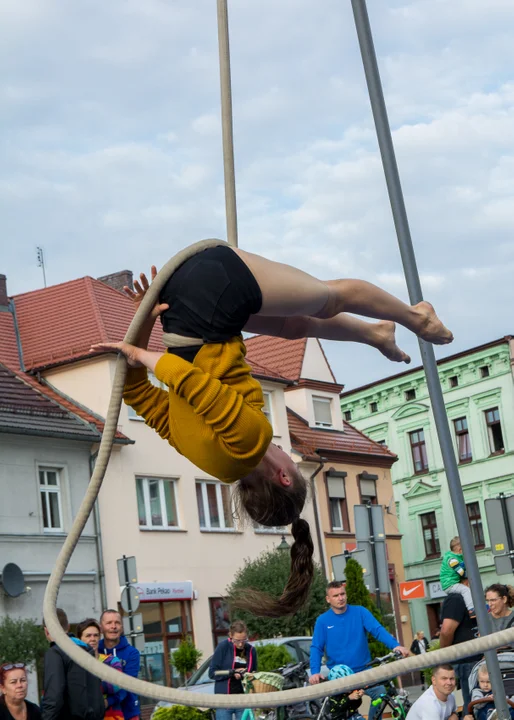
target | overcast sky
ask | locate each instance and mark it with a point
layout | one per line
(111, 145)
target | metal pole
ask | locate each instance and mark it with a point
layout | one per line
(226, 124)
(427, 352)
(374, 557)
(508, 530)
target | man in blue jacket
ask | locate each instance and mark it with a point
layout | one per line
(231, 660)
(114, 643)
(341, 634)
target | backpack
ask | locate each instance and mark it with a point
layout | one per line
(85, 699)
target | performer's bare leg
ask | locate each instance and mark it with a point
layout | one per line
(287, 291)
(342, 327)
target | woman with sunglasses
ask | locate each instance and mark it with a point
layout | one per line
(13, 691)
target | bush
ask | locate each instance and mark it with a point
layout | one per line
(181, 712)
(358, 594)
(269, 572)
(271, 657)
(22, 641)
(427, 672)
(185, 658)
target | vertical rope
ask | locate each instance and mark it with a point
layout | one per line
(226, 124)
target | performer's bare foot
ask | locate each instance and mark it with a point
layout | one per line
(428, 326)
(385, 341)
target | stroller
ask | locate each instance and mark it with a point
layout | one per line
(477, 707)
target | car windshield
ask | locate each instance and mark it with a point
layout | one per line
(201, 676)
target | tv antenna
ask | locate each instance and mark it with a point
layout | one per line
(41, 262)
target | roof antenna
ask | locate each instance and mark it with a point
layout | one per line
(41, 262)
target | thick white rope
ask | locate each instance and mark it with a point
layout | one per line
(158, 692)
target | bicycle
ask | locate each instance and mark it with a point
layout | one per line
(396, 700)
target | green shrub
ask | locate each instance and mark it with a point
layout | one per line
(185, 658)
(427, 672)
(270, 657)
(181, 712)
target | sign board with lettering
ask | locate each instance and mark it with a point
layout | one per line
(435, 590)
(412, 590)
(165, 591)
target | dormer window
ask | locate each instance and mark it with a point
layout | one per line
(322, 412)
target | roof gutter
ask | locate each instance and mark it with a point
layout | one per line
(12, 310)
(317, 522)
(98, 543)
(51, 434)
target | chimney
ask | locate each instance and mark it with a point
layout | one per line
(117, 280)
(4, 300)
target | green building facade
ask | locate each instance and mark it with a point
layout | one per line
(478, 387)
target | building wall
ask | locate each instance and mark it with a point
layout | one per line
(207, 558)
(337, 542)
(416, 494)
(23, 539)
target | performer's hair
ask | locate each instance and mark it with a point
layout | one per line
(272, 505)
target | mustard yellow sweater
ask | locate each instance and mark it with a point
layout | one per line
(212, 413)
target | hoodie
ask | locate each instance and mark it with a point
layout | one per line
(130, 660)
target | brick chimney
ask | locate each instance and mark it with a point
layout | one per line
(4, 300)
(118, 279)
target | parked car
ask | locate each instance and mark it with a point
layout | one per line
(298, 647)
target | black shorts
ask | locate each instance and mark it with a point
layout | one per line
(210, 296)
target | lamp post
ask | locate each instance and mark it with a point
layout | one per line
(284, 545)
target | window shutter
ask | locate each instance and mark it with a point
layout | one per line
(368, 488)
(336, 487)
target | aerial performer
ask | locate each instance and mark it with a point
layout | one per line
(212, 411)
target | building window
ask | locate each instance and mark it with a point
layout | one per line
(453, 381)
(368, 490)
(419, 451)
(373, 407)
(267, 407)
(430, 535)
(50, 494)
(132, 414)
(475, 522)
(220, 620)
(214, 506)
(322, 411)
(381, 442)
(348, 415)
(410, 394)
(156, 503)
(484, 371)
(165, 624)
(337, 502)
(494, 430)
(463, 441)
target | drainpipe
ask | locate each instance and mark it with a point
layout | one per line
(316, 516)
(98, 534)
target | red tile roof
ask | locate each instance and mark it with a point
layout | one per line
(284, 356)
(59, 323)
(27, 407)
(308, 440)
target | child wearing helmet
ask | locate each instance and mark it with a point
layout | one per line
(346, 705)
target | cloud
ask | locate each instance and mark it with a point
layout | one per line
(112, 149)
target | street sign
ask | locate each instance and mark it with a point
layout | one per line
(412, 590)
(503, 564)
(382, 582)
(138, 641)
(133, 624)
(127, 572)
(129, 599)
(339, 565)
(362, 529)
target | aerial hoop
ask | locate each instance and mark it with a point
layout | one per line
(158, 692)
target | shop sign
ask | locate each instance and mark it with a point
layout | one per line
(153, 647)
(435, 590)
(165, 591)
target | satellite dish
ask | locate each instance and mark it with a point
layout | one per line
(13, 580)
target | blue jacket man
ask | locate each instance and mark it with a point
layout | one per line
(114, 643)
(341, 634)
